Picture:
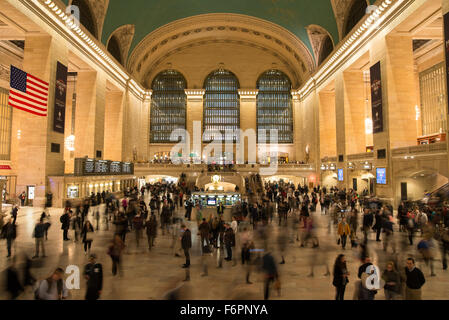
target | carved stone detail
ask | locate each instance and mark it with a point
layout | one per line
(5, 72)
(124, 36)
(179, 31)
(317, 35)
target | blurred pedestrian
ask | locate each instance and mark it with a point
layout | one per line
(93, 272)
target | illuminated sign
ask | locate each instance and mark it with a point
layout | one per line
(340, 175)
(381, 176)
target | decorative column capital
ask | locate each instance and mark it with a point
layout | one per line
(148, 94)
(248, 94)
(296, 96)
(195, 94)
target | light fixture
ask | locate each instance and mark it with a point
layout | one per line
(70, 143)
(368, 126)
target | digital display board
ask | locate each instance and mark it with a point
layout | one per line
(340, 175)
(115, 167)
(89, 166)
(92, 167)
(381, 175)
(101, 167)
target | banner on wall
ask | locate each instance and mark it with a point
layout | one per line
(376, 98)
(60, 98)
(446, 45)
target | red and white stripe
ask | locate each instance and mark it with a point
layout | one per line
(35, 99)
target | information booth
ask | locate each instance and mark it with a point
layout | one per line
(210, 200)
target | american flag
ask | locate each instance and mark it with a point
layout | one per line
(28, 93)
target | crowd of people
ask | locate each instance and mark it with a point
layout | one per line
(270, 212)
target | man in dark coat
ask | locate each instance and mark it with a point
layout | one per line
(65, 224)
(229, 241)
(186, 244)
(9, 233)
(14, 212)
(151, 228)
(93, 272)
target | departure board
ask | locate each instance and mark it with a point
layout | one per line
(93, 167)
(89, 166)
(115, 167)
(101, 167)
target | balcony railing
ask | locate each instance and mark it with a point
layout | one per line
(361, 156)
(421, 149)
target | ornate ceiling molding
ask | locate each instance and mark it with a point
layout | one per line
(341, 10)
(317, 34)
(124, 36)
(157, 64)
(99, 9)
(231, 26)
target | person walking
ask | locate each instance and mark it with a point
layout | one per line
(204, 230)
(52, 288)
(343, 231)
(186, 244)
(65, 224)
(93, 272)
(392, 280)
(138, 227)
(414, 281)
(121, 226)
(115, 252)
(270, 273)
(9, 233)
(87, 234)
(38, 234)
(151, 229)
(14, 213)
(341, 275)
(76, 226)
(229, 241)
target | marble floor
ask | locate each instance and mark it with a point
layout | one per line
(149, 275)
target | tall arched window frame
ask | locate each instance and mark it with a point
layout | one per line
(168, 106)
(221, 109)
(274, 106)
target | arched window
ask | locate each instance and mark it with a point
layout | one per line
(222, 104)
(274, 105)
(114, 49)
(326, 49)
(168, 106)
(86, 16)
(356, 13)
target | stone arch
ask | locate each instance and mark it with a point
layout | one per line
(354, 14)
(232, 29)
(322, 42)
(123, 36)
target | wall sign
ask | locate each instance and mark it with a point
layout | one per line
(60, 98)
(93, 167)
(376, 98)
(340, 175)
(381, 175)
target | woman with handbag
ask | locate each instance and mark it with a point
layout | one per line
(87, 234)
(341, 275)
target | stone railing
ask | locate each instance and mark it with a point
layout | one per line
(329, 159)
(421, 149)
(361, 156)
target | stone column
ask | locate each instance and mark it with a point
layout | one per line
(90, 114)
(327, 124)
(35, 161)
(354, 102)
(248, 119)
(395, 54)
(340, 116)
(195, 113)
(113, 127)
(297, 126)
